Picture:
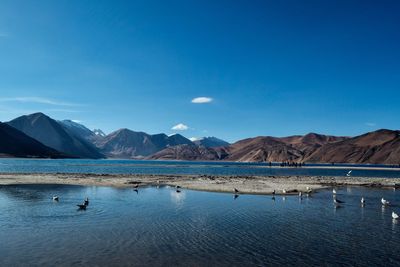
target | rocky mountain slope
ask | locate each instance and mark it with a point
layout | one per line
(14, 143)
(55, 135)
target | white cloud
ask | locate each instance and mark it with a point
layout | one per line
(180, 127)
(37, 100)
(202, 100)
(370, 124)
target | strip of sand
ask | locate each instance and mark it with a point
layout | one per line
(245, 184)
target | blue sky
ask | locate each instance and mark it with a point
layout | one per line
(269, 67)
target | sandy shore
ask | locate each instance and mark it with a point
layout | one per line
(245, 184)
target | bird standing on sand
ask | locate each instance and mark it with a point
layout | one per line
(284, 191)
(273, 192)
(55, 198)
(385, 202)
(349, 173)
(235, 190)
(395, 215)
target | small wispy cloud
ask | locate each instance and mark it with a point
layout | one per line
(370, 124)
(180, 127)
(37, 100)
(202, 100)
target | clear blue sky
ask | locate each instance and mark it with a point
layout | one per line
(271, 67)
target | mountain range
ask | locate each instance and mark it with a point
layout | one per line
(37, 135)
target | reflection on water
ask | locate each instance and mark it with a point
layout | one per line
(161, 227)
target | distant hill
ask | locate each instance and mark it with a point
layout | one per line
(14, 143)
(210, 142)
(125, 143)
(189, 152)
(55, 135)
(257, 149)
(82, 131)
(379, 147)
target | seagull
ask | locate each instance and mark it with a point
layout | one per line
(177, 187)
(136, 186)
(55, 198)
(235, 190)
(300, 194)
(86, 201)
(385, 202)
(273, 192)
(82, 206)
(395, 215)
(349, 173)
(334, 191)
(337, 201)
(284, 191)
(362, 201)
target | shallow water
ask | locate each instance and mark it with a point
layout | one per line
(160, 227)
(182, 167)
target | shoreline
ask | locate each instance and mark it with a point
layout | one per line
(246, 184)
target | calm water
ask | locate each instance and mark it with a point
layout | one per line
(159, 227)
(179, 167)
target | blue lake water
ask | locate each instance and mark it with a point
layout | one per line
(160, 227)
(181, 167)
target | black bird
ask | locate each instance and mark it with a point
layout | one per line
(177, 187)
(337, 201)
(273, 192)
(86, 202)
(136, 186)
(82, 206)
(235, 190)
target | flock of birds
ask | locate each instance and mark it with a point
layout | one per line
(337, 202)
(80, 206)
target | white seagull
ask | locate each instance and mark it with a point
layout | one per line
(385, 202)
(395, 215)
(334, 191)
(284, 191)
(55, 198)
(362, 201)
(349, 173)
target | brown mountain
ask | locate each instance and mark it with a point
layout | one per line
(379, 147)
(14, 143)
(190, 152)
(258, 149)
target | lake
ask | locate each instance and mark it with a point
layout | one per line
(183, 167)
(160, 227)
